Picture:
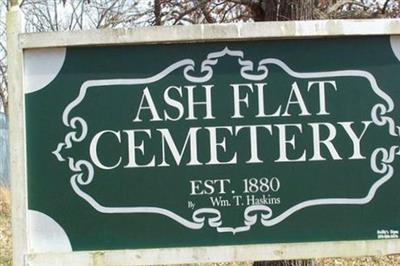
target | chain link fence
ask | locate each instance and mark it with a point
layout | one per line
(4, 156)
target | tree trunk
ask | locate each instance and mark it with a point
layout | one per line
(276, 10)
(157, 12)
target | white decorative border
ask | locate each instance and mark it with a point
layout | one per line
(380, 161)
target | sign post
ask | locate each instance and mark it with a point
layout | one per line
(18, 176)
(209, 143)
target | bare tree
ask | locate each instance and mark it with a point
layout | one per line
(53, 15)
(3, 57)
(228, 11)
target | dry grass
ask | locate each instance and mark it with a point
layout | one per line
(5, 227)
(5, 244)
(363, 261)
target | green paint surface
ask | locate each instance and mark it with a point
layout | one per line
(169, 188)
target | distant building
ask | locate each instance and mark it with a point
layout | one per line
(4, 157)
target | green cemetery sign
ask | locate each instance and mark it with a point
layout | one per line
(221, 143)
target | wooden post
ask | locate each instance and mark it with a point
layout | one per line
(17, 133)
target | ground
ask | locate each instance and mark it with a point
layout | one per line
(5, 244)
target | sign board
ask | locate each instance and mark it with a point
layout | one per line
(257, 145)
